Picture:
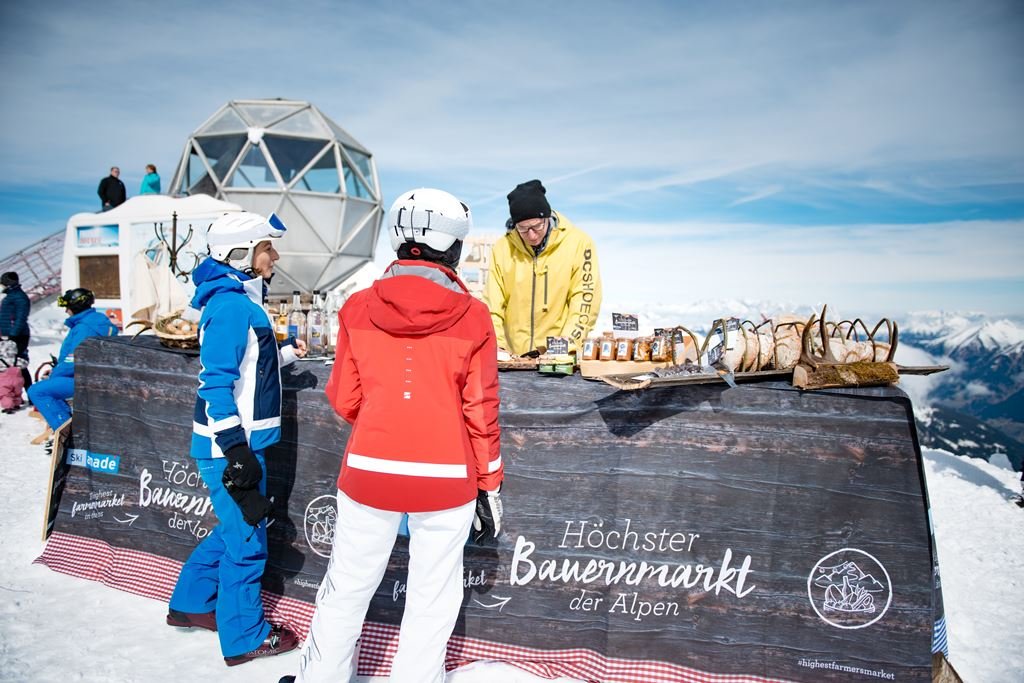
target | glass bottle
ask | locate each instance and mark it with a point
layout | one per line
(281, 321)
(315, 326)
(297, 319)
(330, 323)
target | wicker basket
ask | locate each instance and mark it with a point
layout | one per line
(176, 339)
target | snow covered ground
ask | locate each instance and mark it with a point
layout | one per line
(55, 627)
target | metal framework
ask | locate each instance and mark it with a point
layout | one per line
(287, 157)
(38, 266)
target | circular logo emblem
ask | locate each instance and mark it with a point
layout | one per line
(321, 515)
(849, 589)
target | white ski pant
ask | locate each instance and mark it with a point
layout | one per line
(363, 539)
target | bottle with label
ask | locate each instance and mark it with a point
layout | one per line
(330, 322)
(281, 321)
(297, 319)
(315, 326)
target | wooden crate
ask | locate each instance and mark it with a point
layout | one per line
(600, 368)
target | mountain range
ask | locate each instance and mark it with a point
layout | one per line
(977, 407)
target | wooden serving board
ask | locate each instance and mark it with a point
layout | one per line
(628, 382)
(602, 368)
(519, 364)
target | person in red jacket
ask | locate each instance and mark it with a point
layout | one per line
(416, 375)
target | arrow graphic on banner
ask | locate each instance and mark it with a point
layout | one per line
(500, 604)
(131, 519)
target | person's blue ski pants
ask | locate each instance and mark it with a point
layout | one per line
(50, 397)
(224, 571)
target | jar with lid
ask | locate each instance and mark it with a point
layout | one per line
(624, 348)
(642, 349)
(591, 348)
(661, 349)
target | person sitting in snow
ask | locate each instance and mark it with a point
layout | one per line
(50, 396)
(14, 310)
(424, 442)
(11, 386)
(237, 417)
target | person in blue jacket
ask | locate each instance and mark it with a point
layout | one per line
(237, 417)
(14, 310)
(150, 181)
(50, 396)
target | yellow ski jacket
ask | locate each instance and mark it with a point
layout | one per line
(556, 293)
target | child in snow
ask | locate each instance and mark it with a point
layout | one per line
(11, 385)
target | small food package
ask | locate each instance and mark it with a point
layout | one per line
(607, 349)
(642, 349)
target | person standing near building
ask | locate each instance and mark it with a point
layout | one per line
(111, 190)
(50, 396)
(544, 280)
(14, 310)
(150, 181)
(416, 375)
(237, 417)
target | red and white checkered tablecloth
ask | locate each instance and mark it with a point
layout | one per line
(154, 577)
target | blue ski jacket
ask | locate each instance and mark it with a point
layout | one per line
(81, 326)
(14, 312)
(239, 396)
(150, 184)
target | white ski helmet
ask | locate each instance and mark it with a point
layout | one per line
(429, 218)
(231, 238)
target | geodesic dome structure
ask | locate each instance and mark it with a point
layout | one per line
(286, 156)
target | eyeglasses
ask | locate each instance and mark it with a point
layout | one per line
(535, 228)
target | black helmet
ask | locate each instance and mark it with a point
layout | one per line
(77, 300)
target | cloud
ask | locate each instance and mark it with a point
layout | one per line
(762, 193)
(857, 268)
(771, 147)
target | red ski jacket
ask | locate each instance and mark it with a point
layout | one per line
(416, 375)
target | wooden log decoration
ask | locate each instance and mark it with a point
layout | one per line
(860, 374)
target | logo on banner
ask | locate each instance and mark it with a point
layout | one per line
(321, 515)
(98, 462)
(849, 589)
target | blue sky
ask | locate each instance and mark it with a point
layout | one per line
(867, 154)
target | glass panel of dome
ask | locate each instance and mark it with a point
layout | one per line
(221, 151)
(322, 177)
(253, 171)
(356, 213)
(198, 178)
(302, 123)
(196, 169)
(362, 162)
(353, 185)
(227, 122)
(362, 243)
(340, 133)
(323, 214)
(291, 155)
(257, 201)
(263, 115)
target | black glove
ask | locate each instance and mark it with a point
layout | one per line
(487, 521)
(243, 470)
(251, 502)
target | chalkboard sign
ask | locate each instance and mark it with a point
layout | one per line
(625, 322)
(558, 346)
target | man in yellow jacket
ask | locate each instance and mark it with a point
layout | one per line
(544, 279)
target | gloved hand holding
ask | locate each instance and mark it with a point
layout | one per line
(251, 502)
(243, 470)
(489, 510)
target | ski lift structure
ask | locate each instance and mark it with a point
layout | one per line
(287, 157)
